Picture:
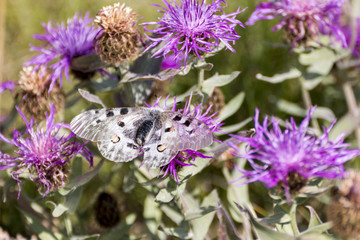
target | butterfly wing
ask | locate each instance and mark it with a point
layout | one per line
(114, 130)
(177, 132)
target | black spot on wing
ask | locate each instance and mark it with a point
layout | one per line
(121, 124)
(187, 123)
(96, 111)
(167, 129)
(124, 111)
(98, 121)
(110, 114)
(177, 118)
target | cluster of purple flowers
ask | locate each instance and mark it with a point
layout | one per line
(274, 154)
(303, 19)
(192, 27)
(42, 153)
(64, 42)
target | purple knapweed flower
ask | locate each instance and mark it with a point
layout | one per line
(7, 85)
(63, 42)
(278, 156)
(192, 27)
(351, 32)
(303, 20)
(188, 155)
(44, 154)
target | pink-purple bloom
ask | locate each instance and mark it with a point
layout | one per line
(63, 42)
(193, 26)
(42, 151)
(275, 154)
(7, 85)
(303, 19)
(353, 34)
(188, 155)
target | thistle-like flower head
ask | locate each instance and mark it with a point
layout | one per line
(44, 153)
(63, 42)
(302, 20)
(193, 26)
(184, 156)
(280, 156)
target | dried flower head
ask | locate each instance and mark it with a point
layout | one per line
(192, 27)
(119, 40)
(64, 42)
(43, 153)
(291, 156)
(302, 20)
(184, 157)
(216, 100)
(34, 95)
(344, 208)
(107, 212)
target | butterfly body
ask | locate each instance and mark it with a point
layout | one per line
(122, 134)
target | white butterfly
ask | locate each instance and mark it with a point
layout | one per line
(122, 134)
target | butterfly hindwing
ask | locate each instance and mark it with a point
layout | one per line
(156, 152)
(178, 132)
(192, 133)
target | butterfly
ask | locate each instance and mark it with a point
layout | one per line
(122, 134)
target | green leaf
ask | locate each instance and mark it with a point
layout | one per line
(317, 229)
(36, 226)
(152, 216)
(181, 233)
(319, 60)
(235, 127)
(202, 219)
(200, 65)
(172, 189)
(314, 218)
(174, 215)
(91, 97)
(295, 110)
(71, 202)
(104, 84)
(218, 81)
(346, 124)
(278, 78)
(80, 180)
(121, 230)
(89, 237)
(232, 106)
(87, 63)
(264, 232)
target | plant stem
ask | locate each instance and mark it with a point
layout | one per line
(307, 101)
(352, 106)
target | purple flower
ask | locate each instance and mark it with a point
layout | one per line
(7, 85)
(188, 155)
(44, 153)
(350, 33)
(276, 156)
(64, 42)
(192, 27)
(302, 19)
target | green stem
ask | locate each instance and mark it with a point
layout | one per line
(307, 101)
(352, 106)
